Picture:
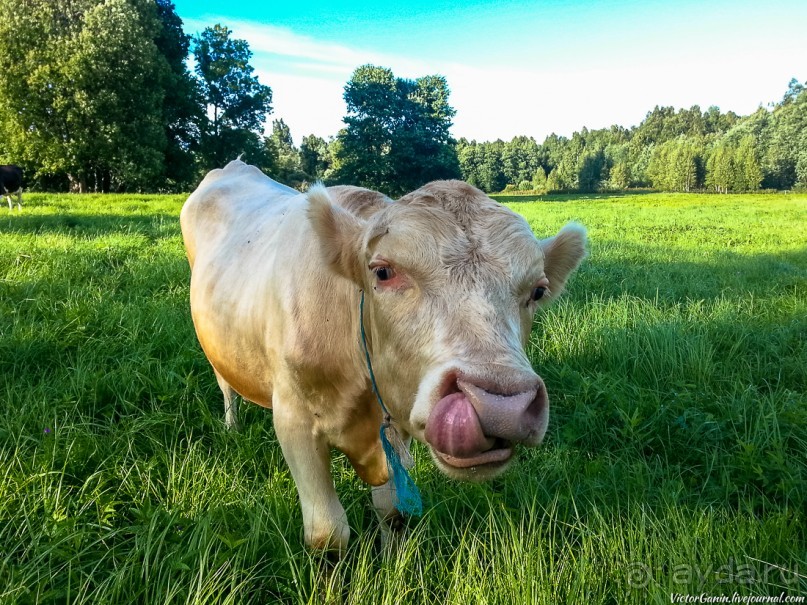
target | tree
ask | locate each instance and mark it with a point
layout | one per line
(619, 176)
(183, 111)
(801, 162)
(397, 131)
(675, 165)
(720, 168)
(470, 159)
(287, 167)
(237, 103)
(590, 174)
(82, 90)
(566, 175)
(491, 169)
(539, 179)
(787, 126)
(747, 173)
(520, 158)
(794, 89)
(553, 182)
(314, 157)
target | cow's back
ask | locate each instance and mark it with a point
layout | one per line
(10, 178)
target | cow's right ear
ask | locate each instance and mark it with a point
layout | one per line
(339, 233)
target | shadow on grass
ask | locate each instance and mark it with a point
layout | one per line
(89, 224)
(506, 198)
(643, 274)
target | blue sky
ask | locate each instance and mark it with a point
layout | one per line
(517, 67)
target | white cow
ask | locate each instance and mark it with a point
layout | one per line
(451, 279)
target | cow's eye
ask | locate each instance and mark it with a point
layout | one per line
(537, 294)
(384, 273)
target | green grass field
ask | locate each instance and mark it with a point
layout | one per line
(675, 463)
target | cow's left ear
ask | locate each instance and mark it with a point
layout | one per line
(339, 233)
(562, 255)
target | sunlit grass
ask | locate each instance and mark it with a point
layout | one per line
(676, 460)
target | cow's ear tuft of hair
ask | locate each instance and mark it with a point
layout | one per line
(339, 233)
(563, 253)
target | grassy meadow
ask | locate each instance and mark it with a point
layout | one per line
(675, 462)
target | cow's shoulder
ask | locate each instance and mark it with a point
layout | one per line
(233, 192)
(228, 202)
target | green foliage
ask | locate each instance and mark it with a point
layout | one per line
(287, 167)
(236, 101)
(397, 132)
(84, 90)
(619, 176)
(539, 179)
(801, 162)
(747, 173)
(687, 150)
(482, 165)
(95, 95)
(552, 182)
(734, 168)
(315, 158)
(674, 165)
(676, 457)
(183, 113)
(520, 159)
(591, 171)
(787, 126)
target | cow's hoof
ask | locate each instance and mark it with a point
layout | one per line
(392, 534)
(332, 541)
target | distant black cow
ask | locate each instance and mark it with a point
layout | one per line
(11, 182)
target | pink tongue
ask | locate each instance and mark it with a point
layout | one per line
(453, 428)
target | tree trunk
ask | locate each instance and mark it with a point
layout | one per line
(77, 184)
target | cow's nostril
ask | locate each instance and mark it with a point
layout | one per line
(501, 444)
(517, 417)
(536, 408)
(449, 386)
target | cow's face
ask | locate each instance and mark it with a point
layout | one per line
(452, 281)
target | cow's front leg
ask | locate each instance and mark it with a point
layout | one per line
(308, 457)
(385, 499)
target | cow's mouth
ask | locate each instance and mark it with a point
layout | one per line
(498, 455)
(459, 442)
(474, 430)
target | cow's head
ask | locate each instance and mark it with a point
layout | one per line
(452, 280)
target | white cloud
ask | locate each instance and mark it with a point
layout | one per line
(307, 77)
(308, 105)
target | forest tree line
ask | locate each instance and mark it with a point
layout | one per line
(684, 150)
(98, 95)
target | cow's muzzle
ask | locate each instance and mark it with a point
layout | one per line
(471, 427)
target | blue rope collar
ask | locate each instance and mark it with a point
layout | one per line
(408, 500)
